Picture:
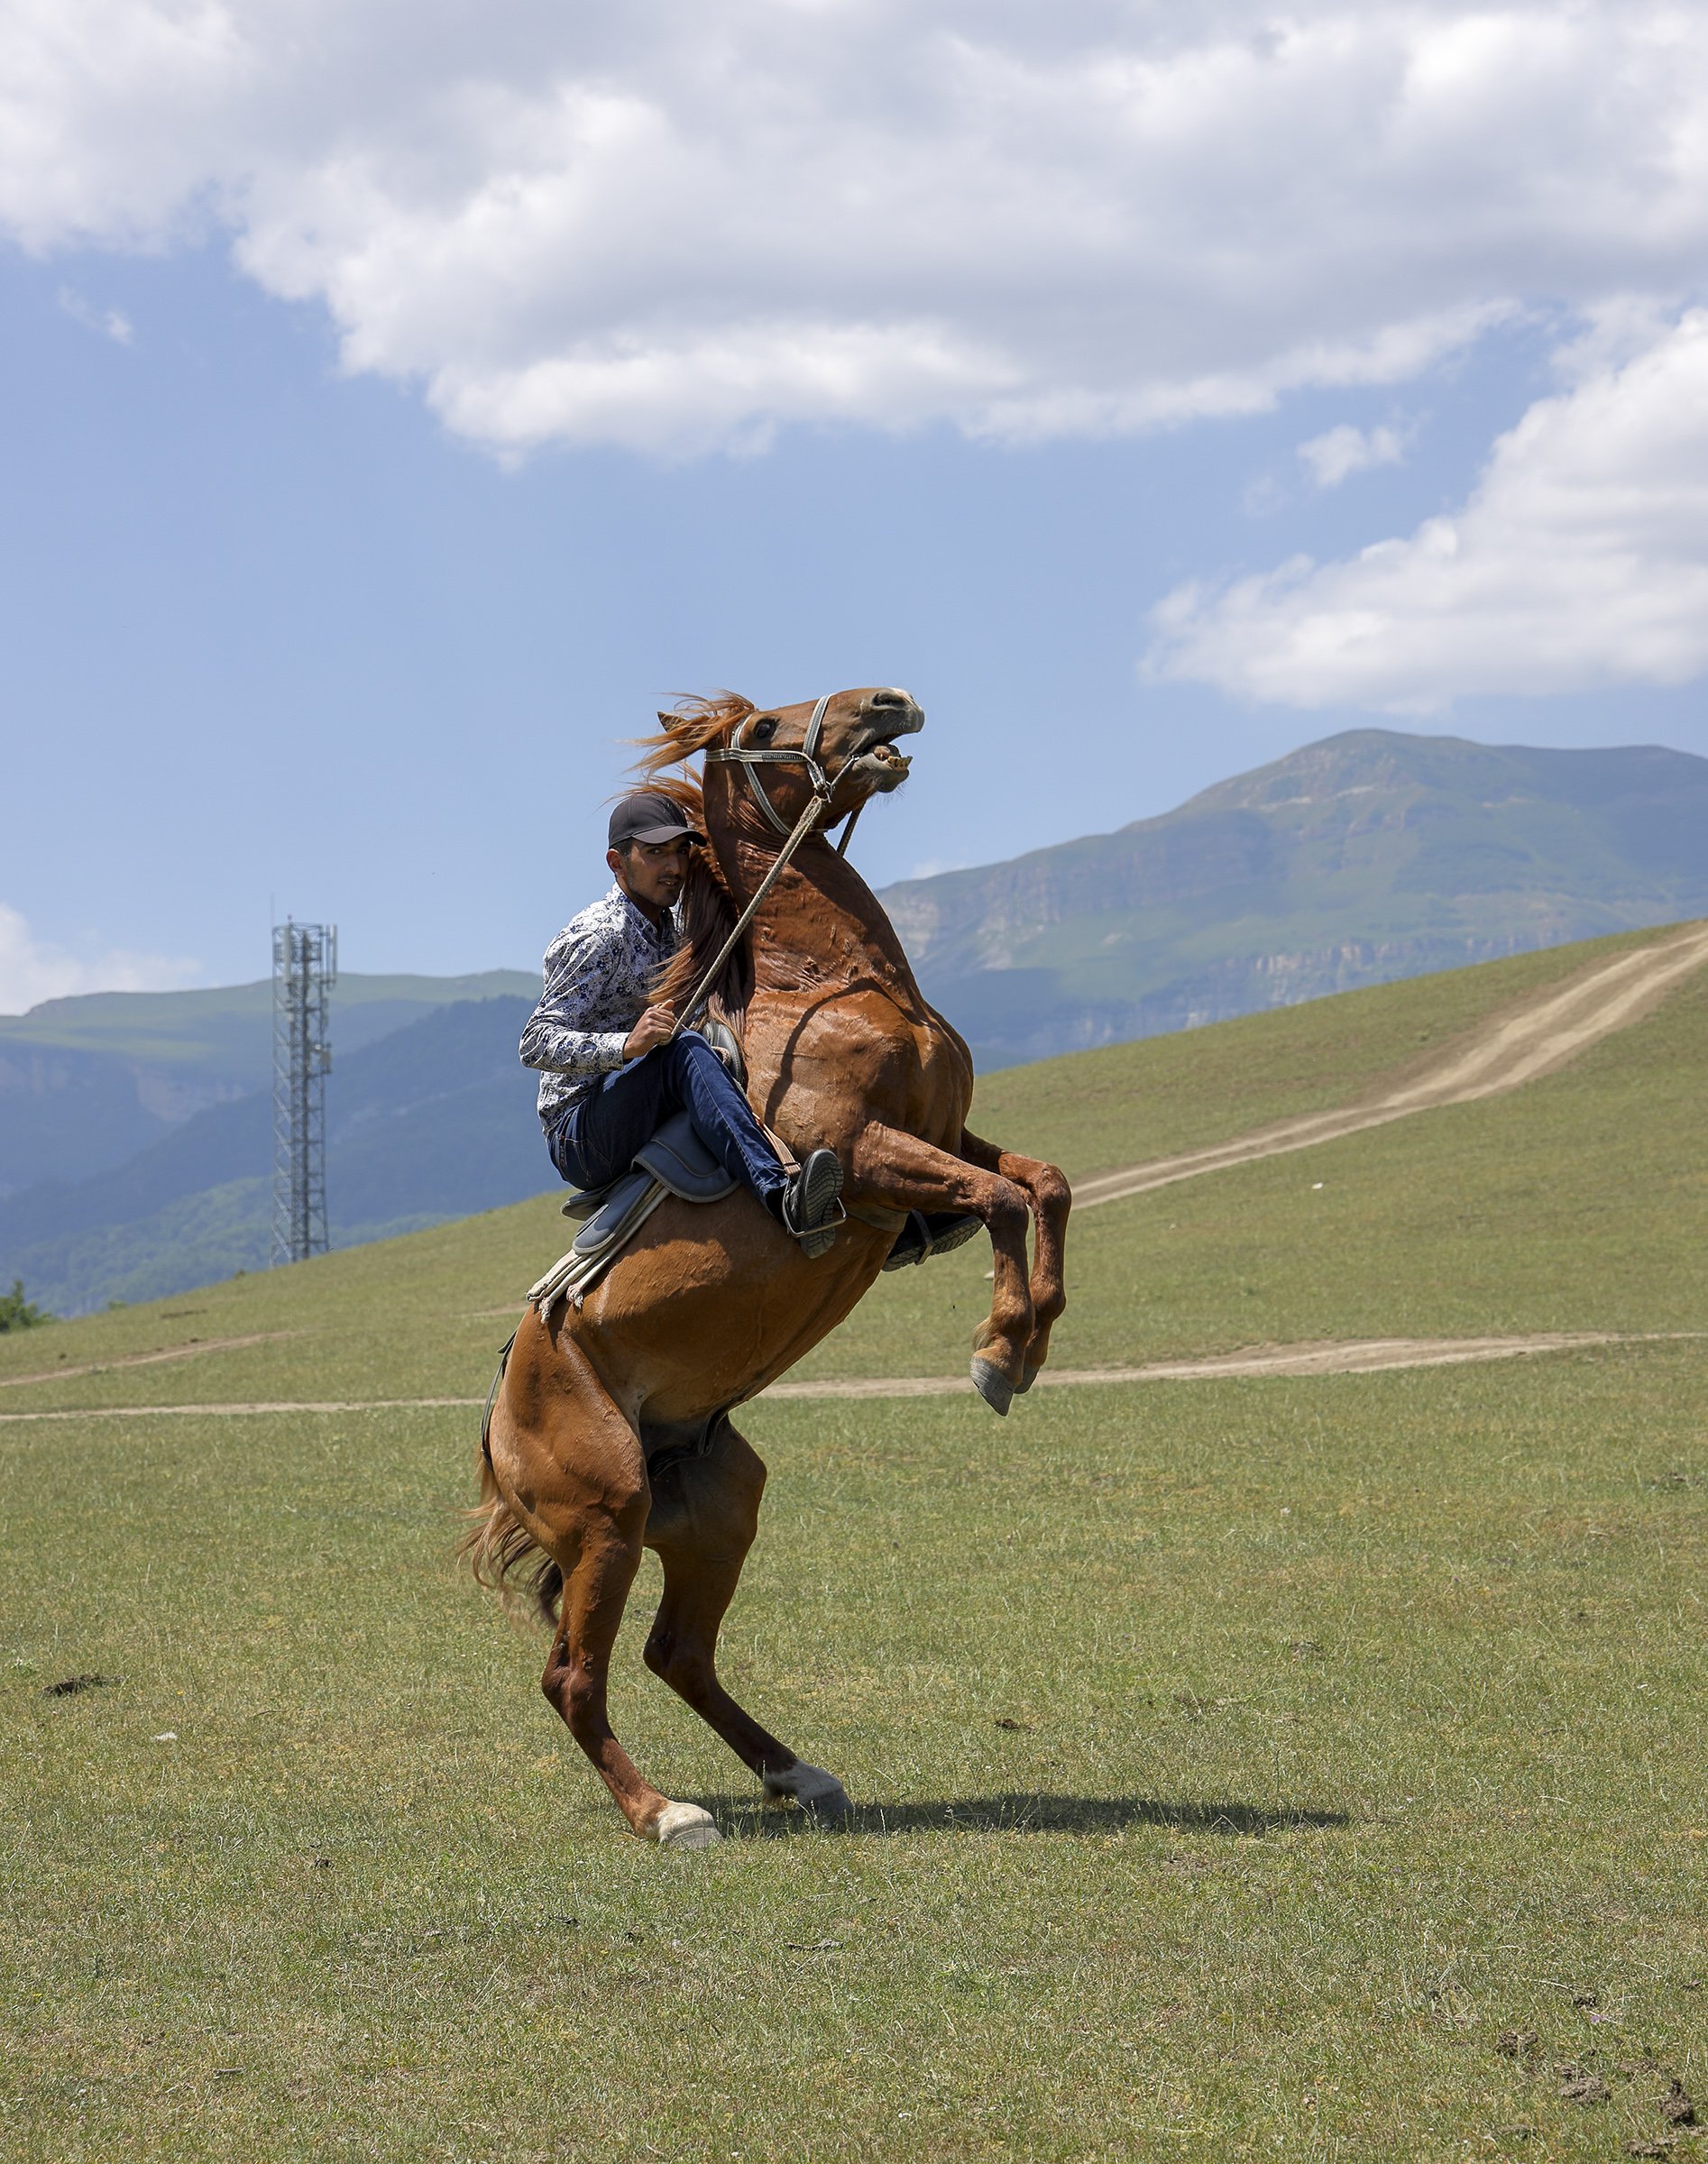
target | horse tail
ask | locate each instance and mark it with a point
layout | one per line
(506, 1558)
(497, 1546)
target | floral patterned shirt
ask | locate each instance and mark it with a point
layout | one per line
(599, 971)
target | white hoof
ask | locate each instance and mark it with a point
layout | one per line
(685, 1826)
(811, 1787)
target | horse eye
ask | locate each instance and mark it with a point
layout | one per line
(763, 731)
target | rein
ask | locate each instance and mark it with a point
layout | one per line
(738, 753)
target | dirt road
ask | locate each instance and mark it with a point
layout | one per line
(1510, 1048)
(1325, 1356)
(190, 1350)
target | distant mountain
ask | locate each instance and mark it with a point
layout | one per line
(434, 1121)
(136, 1129)
(1369, 856)
(85, 1083)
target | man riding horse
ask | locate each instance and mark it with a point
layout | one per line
(610, 1430)
(611, 1071)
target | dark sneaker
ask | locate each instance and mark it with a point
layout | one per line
(811, 1209)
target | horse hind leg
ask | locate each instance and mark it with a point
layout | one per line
(595, 1591)
(581, 1492)
(706, 1514)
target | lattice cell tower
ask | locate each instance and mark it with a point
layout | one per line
(304, 970)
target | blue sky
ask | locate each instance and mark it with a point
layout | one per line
(340, 550)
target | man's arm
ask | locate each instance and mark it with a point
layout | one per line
(557, 1039)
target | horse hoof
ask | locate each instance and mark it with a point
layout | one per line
(686, 1826)
(992, 1385)
(811, 1788)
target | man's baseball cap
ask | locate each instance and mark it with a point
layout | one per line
(649, 816)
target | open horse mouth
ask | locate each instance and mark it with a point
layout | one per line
(873, 755)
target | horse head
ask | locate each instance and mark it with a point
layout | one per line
(841, 745)
(850, 736)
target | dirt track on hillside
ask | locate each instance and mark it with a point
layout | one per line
(192, 1349)
(1322, 1356)
(1512, 1047)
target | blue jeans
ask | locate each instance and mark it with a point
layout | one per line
(595, 1141)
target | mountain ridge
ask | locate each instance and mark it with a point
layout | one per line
(433, 1121)
(87, 1081)
(1364, 856)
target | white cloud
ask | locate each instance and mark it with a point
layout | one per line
(1345, 450)
(678, 227)
(106, 323)
(1580, 560)
(31, 970)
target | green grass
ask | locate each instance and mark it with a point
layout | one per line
(1093, 1111)
(1262, 1867)
(1236, 1761)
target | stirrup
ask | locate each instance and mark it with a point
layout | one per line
(930, 1233)
(815, 1190)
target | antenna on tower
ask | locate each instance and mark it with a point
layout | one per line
(304, 970)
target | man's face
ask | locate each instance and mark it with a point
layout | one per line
(652, 871)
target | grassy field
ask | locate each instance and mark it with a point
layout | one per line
(1239, 1764)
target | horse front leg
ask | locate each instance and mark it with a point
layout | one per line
(1046, 1189)
(900, 1172)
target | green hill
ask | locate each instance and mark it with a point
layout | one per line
(85, 1083)
(1243, 1766)
(1365, 857)
(433, 1120)
(133, 1151)
(1303, 1767)
(1578, 1157)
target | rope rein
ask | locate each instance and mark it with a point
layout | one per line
(738, 754)
(701, 992)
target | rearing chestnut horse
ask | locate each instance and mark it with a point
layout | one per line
(610, 1432)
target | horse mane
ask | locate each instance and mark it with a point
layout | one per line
(688, 728)
(707, 910)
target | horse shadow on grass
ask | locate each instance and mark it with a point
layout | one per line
(1020, 1811)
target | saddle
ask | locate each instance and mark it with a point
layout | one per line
(675, 1161)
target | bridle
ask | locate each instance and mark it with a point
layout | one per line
(738, 753)
(750, 758)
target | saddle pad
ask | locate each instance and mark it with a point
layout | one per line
(679, 1161)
